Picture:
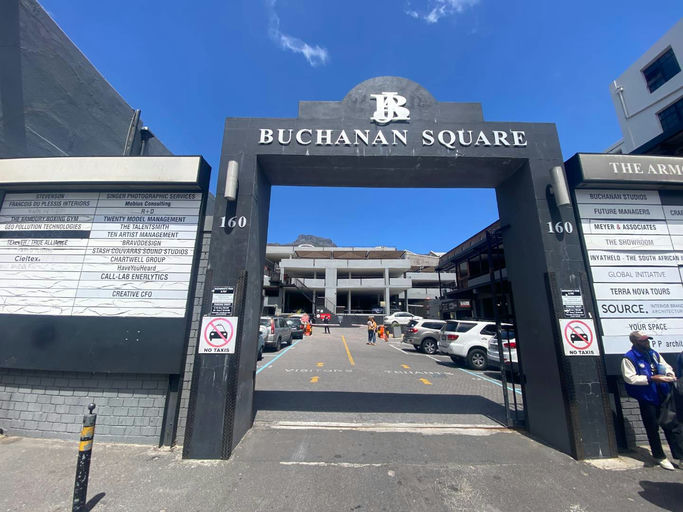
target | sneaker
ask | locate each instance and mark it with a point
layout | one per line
(666, 464)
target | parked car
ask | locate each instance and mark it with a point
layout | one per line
(262, 331)
(297, 327)
(400, 318)
(510, 363)
(468, 340)
(424, 335)
(277, 331)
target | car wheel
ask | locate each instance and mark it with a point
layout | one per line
(260, 354)
(455, 359)
(476, 359)
(278, 345)
(429, 346)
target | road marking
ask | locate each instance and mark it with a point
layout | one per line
(277, 357)
(405, 366)
(348, 352)
(422, 428)
(314, 379)
(417, 354)
(336, 464)
(425, 382)
(320, 365)
(519, 392)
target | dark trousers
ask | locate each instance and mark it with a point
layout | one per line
(649, 412)
(327, 329)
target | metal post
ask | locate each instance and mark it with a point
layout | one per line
(490, 239)
(83, 466)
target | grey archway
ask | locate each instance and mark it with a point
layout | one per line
(390, 130)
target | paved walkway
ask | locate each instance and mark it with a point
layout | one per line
(317, 470)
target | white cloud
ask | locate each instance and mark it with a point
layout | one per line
(315, 55)
(434, 10)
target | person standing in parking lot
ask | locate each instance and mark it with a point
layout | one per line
(326, 321)
(372, 329)
(647, 377)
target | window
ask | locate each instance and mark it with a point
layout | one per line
(489, 329)
(661, 70)
(432, 325)
(464, 327)
(672, 116)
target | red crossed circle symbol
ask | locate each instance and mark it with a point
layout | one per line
(222, 327)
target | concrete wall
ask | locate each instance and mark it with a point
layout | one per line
(639, 123)
(130, 407)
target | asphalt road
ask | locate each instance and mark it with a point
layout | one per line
(338, 378)
(342, 426)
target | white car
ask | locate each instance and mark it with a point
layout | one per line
(400, 318)
(510, 363)
(468, 340)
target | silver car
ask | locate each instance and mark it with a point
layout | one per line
(277, 331)
(424, 334)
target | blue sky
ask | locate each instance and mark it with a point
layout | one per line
(189, 65)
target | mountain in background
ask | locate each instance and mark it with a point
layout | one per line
(313, 240)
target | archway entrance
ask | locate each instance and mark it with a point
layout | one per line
(391, 132)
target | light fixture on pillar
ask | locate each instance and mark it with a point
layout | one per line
(560, 188)
(231, 181)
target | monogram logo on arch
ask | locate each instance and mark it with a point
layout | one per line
(390, 107)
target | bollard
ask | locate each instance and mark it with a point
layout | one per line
(83, 466)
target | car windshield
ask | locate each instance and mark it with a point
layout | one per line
(412, 323)
(265, 322)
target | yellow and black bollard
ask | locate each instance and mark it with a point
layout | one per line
(83, 467)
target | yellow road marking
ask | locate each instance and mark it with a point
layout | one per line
(348, 353)
(319, 365)
(425, 382)
(314, 379)
(405, 366)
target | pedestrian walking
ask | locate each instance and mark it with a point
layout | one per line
(326, 321)
(372, 328)
(647, 378)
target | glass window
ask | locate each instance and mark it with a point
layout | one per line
(661, 70)
(432, 325)
(671, 117)
(451, 326)
(489, 329)
(464, 326)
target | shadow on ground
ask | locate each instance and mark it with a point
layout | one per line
(360, 402)
(666, 495)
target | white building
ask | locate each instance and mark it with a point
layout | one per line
(352, 280)
(648, 99)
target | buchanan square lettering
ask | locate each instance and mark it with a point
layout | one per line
(448, 138)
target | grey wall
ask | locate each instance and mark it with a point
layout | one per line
(194, 336)
(130, 407)
(53, 102)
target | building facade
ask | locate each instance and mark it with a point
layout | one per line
(481, 278)
(352, 280)
(648, 99)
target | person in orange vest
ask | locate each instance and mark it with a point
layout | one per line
(309, 329)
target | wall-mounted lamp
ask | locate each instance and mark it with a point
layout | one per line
(560, 188)
(231, 181)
